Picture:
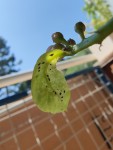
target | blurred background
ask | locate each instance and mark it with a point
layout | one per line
(25, 33)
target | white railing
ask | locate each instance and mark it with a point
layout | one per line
(24, 76)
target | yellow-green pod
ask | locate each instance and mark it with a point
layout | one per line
(49, 88)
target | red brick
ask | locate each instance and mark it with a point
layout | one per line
(36, 114)
(65, 133)
(90, 86)
(82, 90)
(98, 97)
(105, 147)
(9, 145)
(87, 118)
(36, 147)
(110, 100)
(59, 120)
(26, 139)
(74, 94)
(81, 107)
(71, 113)
(19, 119)
(5, 129)
(72, 145)
(90, 102)
(61, 148)
(86, 141)
(105, 93)
(44, 129)
(51, 143)
(95, 133)
(77, 125)
(96, 111)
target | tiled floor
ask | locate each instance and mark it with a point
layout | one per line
(87, 124)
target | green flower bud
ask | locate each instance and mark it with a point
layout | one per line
(80, 28)
(58, 38)
(56, 46)
(71, 42)
(59, 46)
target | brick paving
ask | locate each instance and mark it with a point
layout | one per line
(87, 124)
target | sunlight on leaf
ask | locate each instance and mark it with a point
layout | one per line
(49, 88)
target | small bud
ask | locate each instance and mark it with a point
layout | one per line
(80, 28)
(58, 38)
(50, 48)
(58, 46)
(66, 49)
(71, 42)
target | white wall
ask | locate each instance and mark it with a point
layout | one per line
(105, 54)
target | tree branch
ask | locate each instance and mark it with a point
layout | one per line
(96, 38)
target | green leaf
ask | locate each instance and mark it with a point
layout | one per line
(49, 88)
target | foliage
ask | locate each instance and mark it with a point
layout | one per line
(49, 88)
(99, 12)
(7, 60)
(9, 65)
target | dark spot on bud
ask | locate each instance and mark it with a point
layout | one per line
(48, 77)
(64, 91)
(39, 64)
(43, 62)
(60, 93)
(62, 97)
(54, 92)
(51, 54)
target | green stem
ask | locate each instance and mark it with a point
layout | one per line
(96, 38)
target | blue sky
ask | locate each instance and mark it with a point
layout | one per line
(27, 25)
